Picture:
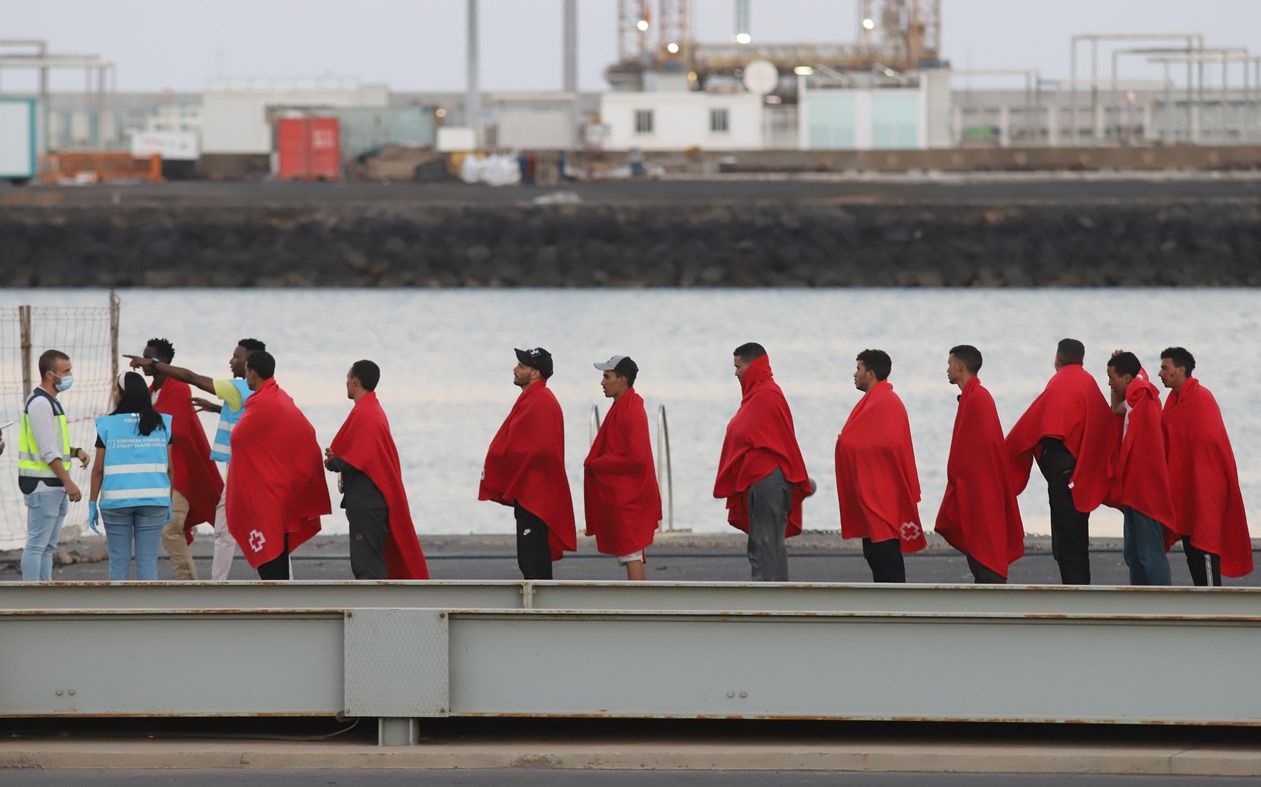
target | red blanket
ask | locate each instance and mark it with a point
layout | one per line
(525, 465)
(876, 480)
(620, 494)
(195, 474)
(979, 515)
(276, 477)
(760, 437)
(1071, 409)
(1140, 476)
(1204, 481)
(365, 442)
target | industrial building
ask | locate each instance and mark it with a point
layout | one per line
(889, 87)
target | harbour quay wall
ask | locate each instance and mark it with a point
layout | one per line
(735, 244)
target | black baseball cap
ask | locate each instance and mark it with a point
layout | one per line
(536, 358)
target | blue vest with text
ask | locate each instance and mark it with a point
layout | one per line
(135, 464)
(221, 451)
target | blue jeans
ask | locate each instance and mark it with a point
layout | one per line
(46, 509)
(1145, 550)
(141, 525)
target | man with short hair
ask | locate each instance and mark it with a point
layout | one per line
(1140, 476)
(877, 483)
(44, 455)
(276, 487)
(979, 515)
(1204, 480)
(232, 393)
(761, 472)
(525, 469)
(383, 541)
(196, 486)
(1068, 430)
(620, 494)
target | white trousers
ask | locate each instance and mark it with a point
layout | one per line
(225, 544)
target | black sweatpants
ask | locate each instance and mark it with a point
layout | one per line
(885, 559)
(1196, 561)
(369, 529)
(534, 553)
(982, 575)
(1070, 528)
(277, 567)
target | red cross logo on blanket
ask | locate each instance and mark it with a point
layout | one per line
(910, 531)
(257, 539)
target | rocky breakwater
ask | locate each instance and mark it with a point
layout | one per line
(632, 245)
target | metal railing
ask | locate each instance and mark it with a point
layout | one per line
(665, 471)
(593, 425)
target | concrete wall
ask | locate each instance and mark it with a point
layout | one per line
(682, 121)
(905, 118)
(235, 117)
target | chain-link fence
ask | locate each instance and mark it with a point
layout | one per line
(89, 335)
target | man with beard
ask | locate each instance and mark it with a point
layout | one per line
(525, 469)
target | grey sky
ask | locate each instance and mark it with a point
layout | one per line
(419, 44)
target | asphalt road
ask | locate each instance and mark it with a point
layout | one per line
(996, 189)
(555, 778)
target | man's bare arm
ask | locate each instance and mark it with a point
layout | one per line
(174, 372)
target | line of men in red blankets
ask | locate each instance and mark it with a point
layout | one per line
(1169, 468)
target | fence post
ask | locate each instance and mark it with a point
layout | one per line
(115, 310)
(24, 322)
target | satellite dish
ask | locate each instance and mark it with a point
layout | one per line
(761, 77)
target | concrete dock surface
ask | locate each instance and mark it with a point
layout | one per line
(557, 745)
(814, 556)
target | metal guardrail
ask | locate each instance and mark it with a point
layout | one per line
(619, 595)
(1008, 658)
(665, 469)
(593, 424)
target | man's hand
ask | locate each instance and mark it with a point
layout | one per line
(72, 492)
(82, 456)
(205, 405)
(328, 454)
(140, 362)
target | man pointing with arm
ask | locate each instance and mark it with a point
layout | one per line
(232, 393)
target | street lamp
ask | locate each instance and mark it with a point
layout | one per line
(869, 24)
(743, 38)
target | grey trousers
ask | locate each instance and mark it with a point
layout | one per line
(769, 501)
(369, 530)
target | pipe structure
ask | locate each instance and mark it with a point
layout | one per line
(570, 81)
(473, 90)
(1117, 53)
(1222, 56)
(1193, 41)
(744, 22)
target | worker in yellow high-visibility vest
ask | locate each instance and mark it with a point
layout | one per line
(44, 460)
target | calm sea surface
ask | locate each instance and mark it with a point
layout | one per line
(447, 365)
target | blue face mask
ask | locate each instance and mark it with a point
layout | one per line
(65, 383)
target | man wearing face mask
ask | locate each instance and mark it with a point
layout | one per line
(44, 460)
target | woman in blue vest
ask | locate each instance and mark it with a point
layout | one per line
(131, 479)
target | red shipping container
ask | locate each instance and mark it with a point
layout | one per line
(309, 148)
